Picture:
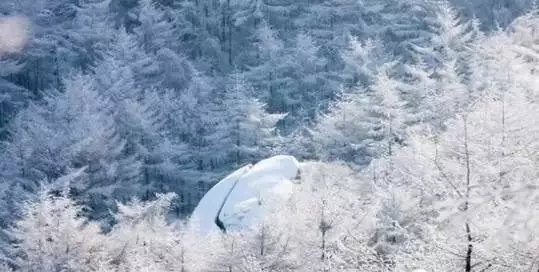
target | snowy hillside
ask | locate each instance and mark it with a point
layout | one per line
(133, 130)
(241, 198)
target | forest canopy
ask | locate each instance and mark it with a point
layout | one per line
(416, 122)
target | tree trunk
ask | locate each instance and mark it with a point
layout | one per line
(469, 251)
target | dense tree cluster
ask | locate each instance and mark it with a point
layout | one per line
(419, 119)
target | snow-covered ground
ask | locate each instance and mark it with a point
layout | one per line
(241, 198)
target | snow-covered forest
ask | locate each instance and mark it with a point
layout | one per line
(416, 123)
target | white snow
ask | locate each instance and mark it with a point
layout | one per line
(259, 188)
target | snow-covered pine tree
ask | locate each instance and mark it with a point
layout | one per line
(143, 240)
(12, 96)
(368, 123)
(253, 132)
(52, 235)
(70, 129)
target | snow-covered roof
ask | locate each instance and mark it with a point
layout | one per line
(241, 198)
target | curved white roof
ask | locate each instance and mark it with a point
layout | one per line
(244, 195)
